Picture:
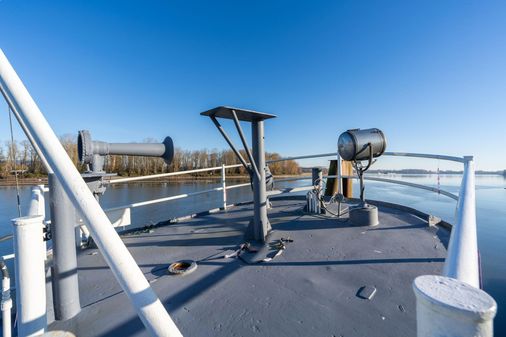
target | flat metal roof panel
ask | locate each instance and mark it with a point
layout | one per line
(242, 114)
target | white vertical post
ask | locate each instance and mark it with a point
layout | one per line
(339, 175)
(30, 275)
(128, 274)
(462, 261)
(224, 186)
(38, 207)
(6, 301)
(449, 307)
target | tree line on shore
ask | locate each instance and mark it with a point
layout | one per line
(21, 157)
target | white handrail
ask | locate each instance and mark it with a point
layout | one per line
(405, 183)
(170, 174)
(462, 261)
(321, 155)
(392, 181)
(425, 155)
(174, 197)
(393, 154)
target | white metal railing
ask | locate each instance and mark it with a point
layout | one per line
(462, 261)
(171, 174)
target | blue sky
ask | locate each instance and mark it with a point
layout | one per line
(431, 74)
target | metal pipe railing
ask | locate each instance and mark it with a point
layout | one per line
(174, 197)
(425, 155)
(405, 183)
(393, 154)
(392, 181)
(462, 260)
(170, 174)
(146, 303)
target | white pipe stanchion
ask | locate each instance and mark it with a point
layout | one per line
(38, 207)
(6, 301)
(30, 275)
(449, 307)
(125, 269)
(224, 186)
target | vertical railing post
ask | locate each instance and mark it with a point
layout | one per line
(6, 304)
(38, 207)
(462, 259)
(30, 275)
(224, 186)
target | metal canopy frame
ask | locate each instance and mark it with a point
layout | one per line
(257, 167)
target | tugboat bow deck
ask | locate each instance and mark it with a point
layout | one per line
(311, 289)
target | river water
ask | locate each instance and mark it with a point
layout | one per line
(490, 198)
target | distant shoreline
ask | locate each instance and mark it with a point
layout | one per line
(10, 182)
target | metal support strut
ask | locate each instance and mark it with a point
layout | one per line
(64, 270)
(256, 168)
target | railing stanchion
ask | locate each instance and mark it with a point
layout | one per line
(224, 186)
(30, 275)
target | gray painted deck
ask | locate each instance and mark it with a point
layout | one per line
(310, 290)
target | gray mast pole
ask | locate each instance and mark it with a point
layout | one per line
(261, 224)
(64, 270)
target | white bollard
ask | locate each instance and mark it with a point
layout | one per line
(30, 275)
(449, 307)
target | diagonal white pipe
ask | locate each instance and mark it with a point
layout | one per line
(125, 269)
